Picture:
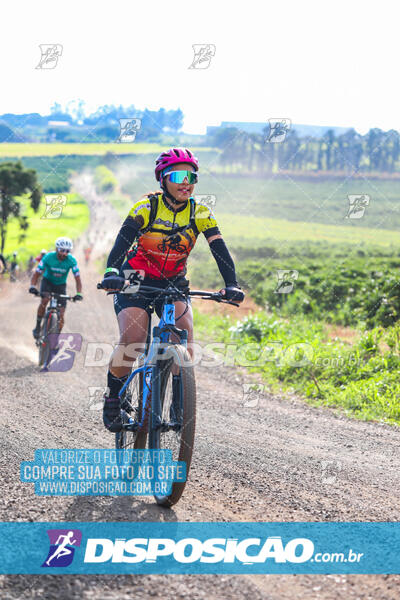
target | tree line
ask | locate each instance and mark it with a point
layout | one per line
(376, 151)
(83, 126)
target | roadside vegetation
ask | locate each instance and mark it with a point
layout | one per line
(42, 233)
(297, 355)
(104, 180)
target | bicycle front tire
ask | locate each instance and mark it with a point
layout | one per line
(50, 325)
(126, 439)
(162, 373)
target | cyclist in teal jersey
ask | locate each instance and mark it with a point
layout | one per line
(55, 267)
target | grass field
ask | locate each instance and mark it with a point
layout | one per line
(57, 149)
(245, 230)
(256, 231)
(43, 232)
(288, 199)
(305, 201)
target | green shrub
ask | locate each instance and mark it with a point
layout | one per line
(362, 379)
(105, 180)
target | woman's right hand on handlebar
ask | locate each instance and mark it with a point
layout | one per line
(112, 282)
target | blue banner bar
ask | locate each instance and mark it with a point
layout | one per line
(56, 548)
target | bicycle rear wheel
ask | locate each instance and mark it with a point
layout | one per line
(178, 416)
(50, 325)
(131, 404)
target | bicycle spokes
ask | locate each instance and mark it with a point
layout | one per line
(171, 416)
(132, 435)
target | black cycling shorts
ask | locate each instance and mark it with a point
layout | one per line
(122, 301)
(47, 286)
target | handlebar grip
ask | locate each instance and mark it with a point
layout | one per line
(99, 286)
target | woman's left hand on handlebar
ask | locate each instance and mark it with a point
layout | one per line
(232, 293)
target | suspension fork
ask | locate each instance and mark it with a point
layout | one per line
(147, 372)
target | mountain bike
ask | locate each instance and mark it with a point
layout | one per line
(158, 400)
(50, 324)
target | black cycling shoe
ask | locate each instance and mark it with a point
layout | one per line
(36, 333)
(112, 414)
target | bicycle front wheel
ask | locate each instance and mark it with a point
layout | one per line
(131, 406)
(50, 325)
(174, 412)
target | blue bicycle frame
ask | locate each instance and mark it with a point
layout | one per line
(161, 333)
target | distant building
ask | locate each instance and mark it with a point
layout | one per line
(301, 130)
(58, 124)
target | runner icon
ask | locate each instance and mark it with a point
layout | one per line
(63, 346)
(62, 549)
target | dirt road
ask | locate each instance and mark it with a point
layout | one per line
(278, 461)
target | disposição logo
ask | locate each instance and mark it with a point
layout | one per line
(62, 547)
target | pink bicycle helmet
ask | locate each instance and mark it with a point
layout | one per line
(173, 156)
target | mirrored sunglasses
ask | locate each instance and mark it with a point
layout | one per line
(180, 176)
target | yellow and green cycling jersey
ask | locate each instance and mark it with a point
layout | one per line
(162, 250)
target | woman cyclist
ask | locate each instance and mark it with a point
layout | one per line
(165, 226)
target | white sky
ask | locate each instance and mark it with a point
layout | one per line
(315, 62)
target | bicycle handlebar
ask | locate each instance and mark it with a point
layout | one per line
(55, 295)
(203, 294)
